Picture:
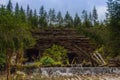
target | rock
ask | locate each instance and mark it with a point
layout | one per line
(58, 73)
(44, 73)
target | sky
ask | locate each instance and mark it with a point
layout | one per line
(73, 6)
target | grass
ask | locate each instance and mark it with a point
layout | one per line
(76, 77)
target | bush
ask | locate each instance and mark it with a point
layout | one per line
(58, 53)
(2, 60)
(47, 61)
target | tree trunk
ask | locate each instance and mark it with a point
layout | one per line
(8, 59)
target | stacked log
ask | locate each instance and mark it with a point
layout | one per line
(69, 38)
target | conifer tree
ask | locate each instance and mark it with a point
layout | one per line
(28, 14)
(86, 21)
(35, 19)
(17, 10)
(91, 19)
(28, 10)
(9, 6)
(95, 16)
(22, 15)
(68, 20)
(59, 18)
(42, 17)
(52, 17)
(114, 27)
(77, 21)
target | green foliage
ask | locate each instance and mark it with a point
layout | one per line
(98, 34)
(59, 18)
(68, 20)
(47, 61)
(42, 17)
(95, 16)
(77, 21)
(14, 31)
(9, 6)
(86, 21)
(114, 27)
(58, 53)
(51, 17)
(2, 59)
(17, 10)
(35, 19)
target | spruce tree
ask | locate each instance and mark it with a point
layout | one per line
(114, 27)
(17, 11)
(35, 19)
(52, 17)
(91, 19)
(59, 18)
(68, 20)
(95, 16)
(42, 17)
(77, 21)
(28, 10)
(2, 10)
(28, 14)
(9, 6)
(22, 15)
(85, 17)
(42, 11)
(49, 16)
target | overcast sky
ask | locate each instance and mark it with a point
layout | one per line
(72, 6)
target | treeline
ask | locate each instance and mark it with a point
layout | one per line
(42, 18)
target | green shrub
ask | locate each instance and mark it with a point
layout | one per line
(58, 53)
(57, 64)
(2, 59)
(47, 61)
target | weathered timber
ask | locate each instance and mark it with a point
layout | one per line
(77, 45)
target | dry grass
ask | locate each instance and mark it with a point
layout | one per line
(76, 77)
